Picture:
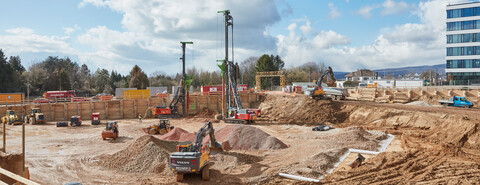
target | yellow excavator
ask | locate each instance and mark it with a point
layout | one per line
(317, 91)
(162, 127)
(11, 119)
(195, 157)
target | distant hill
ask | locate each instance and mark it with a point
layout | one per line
(439, 68)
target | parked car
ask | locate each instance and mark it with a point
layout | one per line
(43, 100)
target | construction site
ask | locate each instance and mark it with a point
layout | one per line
(356, 136)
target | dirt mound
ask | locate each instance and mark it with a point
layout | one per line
(418, 167)
(205, 113)
(146, 154)
(239, 137)
(301, 110)
(178, 134)
(243, 137)
(419, 103)
(317, 165)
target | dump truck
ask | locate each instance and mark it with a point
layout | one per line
(35, 117)
(11, 119)
(335, 93)
(194, 157)
(457, 101)
(111, 130)
(162, 127)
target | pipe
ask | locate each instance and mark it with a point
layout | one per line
(4, 139)
(363, 151)
(296, 177)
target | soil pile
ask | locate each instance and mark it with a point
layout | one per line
(317, 165)
(243, 137)
(301, 110)
(239, 137)
(146, 154)
(205, 113)
(419, 103)
(178, 134)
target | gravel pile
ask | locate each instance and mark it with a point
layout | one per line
(419, 103)
(146, 154)
(239, 137)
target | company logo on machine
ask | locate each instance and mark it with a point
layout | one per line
(214, 89)
(183, 162)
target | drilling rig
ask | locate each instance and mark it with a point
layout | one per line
(235, 113)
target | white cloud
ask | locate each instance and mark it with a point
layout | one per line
(306, 28)
(408, 44)
(391, 7)
(366, 11)
(69, 30)
(26, 40)
(334, 13)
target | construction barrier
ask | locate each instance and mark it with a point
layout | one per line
(125, 109)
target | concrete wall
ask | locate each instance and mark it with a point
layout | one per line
(125, 109)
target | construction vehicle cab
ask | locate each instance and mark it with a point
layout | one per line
(35, 116)
(75, 121)
(11, 119)
(162, 127)
(194, 157)
(111, 130)
(96, 118)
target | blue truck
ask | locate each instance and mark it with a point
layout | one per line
(456, 101)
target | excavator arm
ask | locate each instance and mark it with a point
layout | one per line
(207, 129)
(328, 72)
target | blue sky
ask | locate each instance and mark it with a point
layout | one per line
(345, 34)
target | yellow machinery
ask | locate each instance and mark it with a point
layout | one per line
(317, 91)
(35, 117)
(11, 119)
(195, 157)
(161, 128)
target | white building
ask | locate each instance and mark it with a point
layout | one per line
(463, 43)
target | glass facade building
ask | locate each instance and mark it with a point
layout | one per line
(463, 43)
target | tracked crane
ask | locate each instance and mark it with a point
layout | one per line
(235, 111)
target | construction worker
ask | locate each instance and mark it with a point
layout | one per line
(140, 118)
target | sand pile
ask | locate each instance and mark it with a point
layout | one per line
(243, 137)
(419, 103)
(317, 165)
(146, 154)
(352, 137)
(205, 113)
(178, 134)
(301, 110)
(239, 137)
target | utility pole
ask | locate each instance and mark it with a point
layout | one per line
(184, 77)
(226, 85)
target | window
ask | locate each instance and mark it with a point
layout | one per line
(476, 64)
(449, 65)
(461, 64)
(449, 51)
(457, 38)
(467, 25)
(449, 13)
(388, 82)
(467, 38)
(467, 12)
(468, 63)
(456, 13)
(469, 50)
(477, 50)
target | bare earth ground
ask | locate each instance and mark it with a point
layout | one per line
(433, 145)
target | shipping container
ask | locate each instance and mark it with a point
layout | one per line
(217, 89)
(136, 94)
(11, 97)
(119, 91)
(156, 90)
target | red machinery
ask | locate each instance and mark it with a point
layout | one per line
(59, 94)
(95, 118)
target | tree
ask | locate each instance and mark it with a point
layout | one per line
(65, 83)
(100, 80)
(430, 75)
(314, 70)
(247, 71)
(6, 75)
(138, 78)
(269, 63)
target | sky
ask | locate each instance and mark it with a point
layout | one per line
(118, 34)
